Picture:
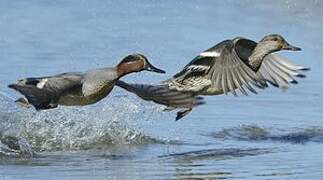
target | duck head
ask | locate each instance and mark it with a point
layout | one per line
(136, 63)
(275, 42)
(269, 44)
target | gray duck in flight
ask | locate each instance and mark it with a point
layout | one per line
(76, 88)
(231, 66)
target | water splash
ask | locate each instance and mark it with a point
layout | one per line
(14, 147)
(72, 128)
(256, 133)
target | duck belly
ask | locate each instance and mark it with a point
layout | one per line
(210, 91)
(76, 97)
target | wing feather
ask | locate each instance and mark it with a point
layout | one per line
(238, 82)
(279, 71)
(234, 73)
(231, 83)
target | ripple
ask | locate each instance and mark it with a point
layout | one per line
(218, 154)
(201, 175)
(256, 133)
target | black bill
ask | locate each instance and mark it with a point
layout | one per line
(291, 48)
(150, 67)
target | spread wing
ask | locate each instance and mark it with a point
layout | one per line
(229, 73)
(162, 94)
(279, 71)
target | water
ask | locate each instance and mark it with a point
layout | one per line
(273, 135)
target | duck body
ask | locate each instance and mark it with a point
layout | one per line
(68, 89)
(231, 66)
(77, 88)
(235, 64)
(97, 90)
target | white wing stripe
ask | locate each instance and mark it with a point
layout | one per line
(210, 54)
(198, 67)
(42, 83)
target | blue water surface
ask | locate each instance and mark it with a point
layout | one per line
(277, 134)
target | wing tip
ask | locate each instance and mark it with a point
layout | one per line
(181, 114)
(12, 86)
(294, 81)
(301, 75)
(303, 68)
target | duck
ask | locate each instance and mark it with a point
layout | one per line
(77, 88)
(234, 66)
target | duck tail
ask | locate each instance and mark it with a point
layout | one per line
(39, 98)
(162, 94)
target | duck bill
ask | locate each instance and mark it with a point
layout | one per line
(291, 48)
(152, 68)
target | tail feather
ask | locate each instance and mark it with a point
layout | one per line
(39, 98)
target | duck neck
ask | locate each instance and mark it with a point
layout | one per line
(124, 69)
(258, 55)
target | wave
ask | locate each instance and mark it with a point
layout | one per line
(218, 154)
(256, 133)
(25, 131)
